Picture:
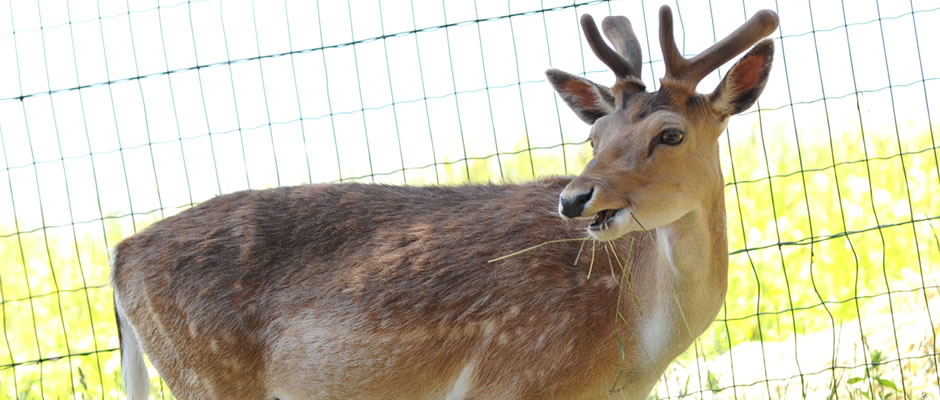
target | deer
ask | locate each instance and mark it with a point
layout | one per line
(575, 287)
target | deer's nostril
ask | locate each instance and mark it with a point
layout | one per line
(573, 207)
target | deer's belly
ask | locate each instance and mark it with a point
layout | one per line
(317, 359)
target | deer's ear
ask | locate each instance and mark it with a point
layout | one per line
(589, 100)
(741, 87)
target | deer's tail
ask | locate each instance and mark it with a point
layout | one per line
(133, 369)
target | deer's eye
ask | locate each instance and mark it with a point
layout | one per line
(671, 137)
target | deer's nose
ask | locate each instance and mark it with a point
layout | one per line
(573, 206)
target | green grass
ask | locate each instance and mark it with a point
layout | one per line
(48, 313)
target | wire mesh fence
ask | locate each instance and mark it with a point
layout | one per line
(116, 114)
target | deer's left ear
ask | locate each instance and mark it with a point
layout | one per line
(588, 99)
(741, 87)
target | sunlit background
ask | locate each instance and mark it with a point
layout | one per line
(115, 114)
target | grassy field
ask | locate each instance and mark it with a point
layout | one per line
(809, 273)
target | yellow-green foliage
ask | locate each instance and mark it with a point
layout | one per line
(47, 313)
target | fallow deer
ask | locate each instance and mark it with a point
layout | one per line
(351, 291)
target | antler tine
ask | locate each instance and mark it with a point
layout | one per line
(692, 70)
(675, 63)
(621, 67)
(619, 32)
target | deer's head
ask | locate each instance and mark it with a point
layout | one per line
(656, 153)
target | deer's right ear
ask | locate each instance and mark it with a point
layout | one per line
(744, 83)
(588, 99)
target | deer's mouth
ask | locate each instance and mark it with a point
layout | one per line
(602, 219)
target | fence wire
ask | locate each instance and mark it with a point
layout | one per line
(114, 115)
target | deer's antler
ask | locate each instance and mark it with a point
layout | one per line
(691, 71)
(626, 60)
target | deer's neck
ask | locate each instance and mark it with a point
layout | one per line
(694, 251)
(682, 293)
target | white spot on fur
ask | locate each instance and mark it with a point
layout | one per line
(416, 334)
(231, 364)
(664, 244)
(655, 333)
(489, 327)
(563, 318)
(206, 383)
(192, 378)
(610, 282)
(513, 312)
(463, 384)
(193, 329)
(540, 342)
(503, 338)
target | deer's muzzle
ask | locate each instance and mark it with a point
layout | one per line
(571, 205)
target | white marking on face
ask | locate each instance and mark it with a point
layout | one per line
(463, 384)
(619, 225)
